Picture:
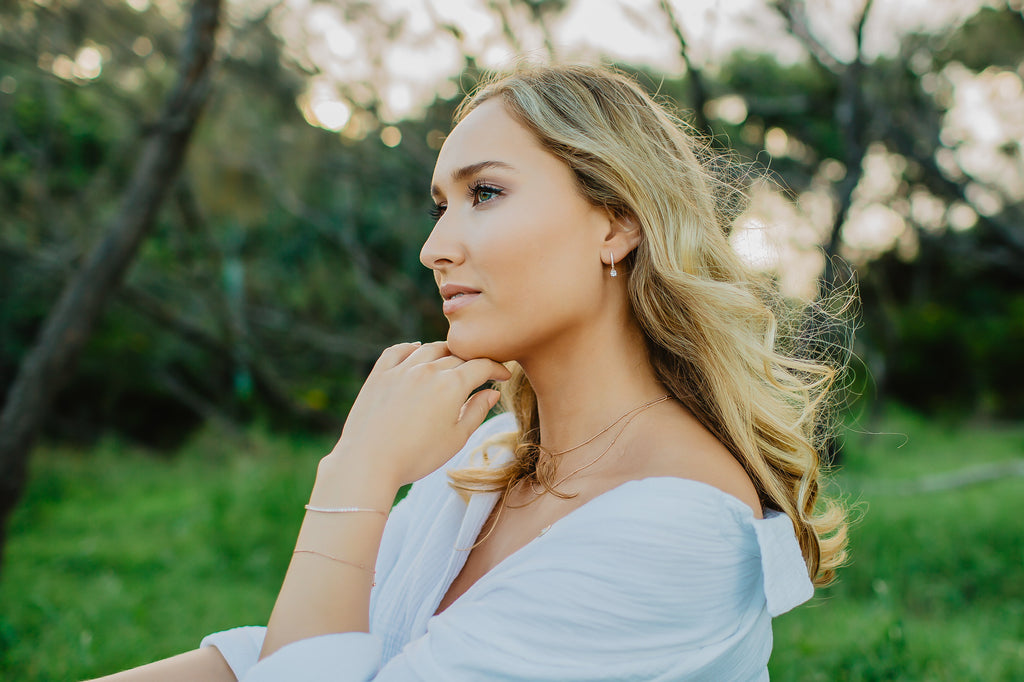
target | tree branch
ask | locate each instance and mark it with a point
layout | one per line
(698, 90)
(506, 25)
(266, 381)
(795, 17)
(850, 115)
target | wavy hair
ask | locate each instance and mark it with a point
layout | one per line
(719, 336)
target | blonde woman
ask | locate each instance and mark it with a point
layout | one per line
(649, 499)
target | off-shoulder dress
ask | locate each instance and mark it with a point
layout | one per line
(660, 578)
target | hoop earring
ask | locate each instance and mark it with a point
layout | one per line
(614, 272)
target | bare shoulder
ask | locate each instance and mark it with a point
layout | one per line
(673, 442)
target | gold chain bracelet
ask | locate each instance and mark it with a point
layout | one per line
(339, 560)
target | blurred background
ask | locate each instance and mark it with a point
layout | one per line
(210, 220)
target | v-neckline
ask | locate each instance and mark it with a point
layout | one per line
(484, 514)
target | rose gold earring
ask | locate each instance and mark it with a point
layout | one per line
(614, 272)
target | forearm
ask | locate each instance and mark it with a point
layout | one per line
(201, 665)
(321, 595)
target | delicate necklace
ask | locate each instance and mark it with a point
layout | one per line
(628, 416)
(609, 427)
(632, 414)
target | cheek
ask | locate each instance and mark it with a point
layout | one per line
(532, 302)
(541, 279)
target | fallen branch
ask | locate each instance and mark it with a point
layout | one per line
(952, 480)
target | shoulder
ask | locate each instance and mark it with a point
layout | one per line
(674, 443)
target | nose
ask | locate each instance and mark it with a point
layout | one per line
(443, 248)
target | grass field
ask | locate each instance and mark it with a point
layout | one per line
(117, 556)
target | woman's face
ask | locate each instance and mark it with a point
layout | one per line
(517, 250)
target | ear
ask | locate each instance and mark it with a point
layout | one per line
(624, 235)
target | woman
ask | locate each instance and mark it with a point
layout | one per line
(649, 500)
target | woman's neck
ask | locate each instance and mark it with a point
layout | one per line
(585, 384)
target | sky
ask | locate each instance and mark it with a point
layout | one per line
(632, 31)
(418, 61)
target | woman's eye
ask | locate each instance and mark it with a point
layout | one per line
(437, 211)
(482, 193)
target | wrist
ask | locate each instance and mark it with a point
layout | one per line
(345, 482)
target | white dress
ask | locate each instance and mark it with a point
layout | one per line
(660, 578)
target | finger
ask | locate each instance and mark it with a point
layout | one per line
(475, 410)
(429, 352)
(448, 362)
(394, 355)
(479, 370)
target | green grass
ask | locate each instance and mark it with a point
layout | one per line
(117, 557)
(935, 586)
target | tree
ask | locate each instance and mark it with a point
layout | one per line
(70, 322)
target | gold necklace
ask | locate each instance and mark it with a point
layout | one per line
(608, 428)
(631, 414)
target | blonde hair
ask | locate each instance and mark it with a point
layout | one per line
(712, 325)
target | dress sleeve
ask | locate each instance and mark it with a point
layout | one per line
(646, 584)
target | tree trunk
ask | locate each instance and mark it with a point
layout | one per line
(67, 327)
(829, 331)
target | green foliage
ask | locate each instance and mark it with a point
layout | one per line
(992, 37)
(294, 251)
(798, 97)
(284, 246)
(117, 558)
(950, 334)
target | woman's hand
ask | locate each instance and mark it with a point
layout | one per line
(414, 412)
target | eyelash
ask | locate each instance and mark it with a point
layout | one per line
(437, 211)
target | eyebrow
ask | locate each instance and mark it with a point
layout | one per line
(472, 169)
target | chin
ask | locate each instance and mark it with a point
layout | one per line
(469, 346)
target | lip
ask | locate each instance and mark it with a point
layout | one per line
(452, 300)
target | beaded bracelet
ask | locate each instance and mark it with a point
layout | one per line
(343, 510)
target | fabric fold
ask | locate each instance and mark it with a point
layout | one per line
(240, 647)
(786, 583)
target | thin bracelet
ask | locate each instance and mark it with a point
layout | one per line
(343, 510)
(372, 572)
